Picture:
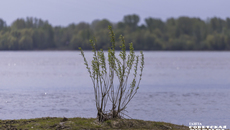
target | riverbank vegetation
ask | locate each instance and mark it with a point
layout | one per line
(181, 33)
(53, 123)
(103, 77)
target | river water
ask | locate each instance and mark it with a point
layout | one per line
(177, 87)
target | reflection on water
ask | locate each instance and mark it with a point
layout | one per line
(177, 87)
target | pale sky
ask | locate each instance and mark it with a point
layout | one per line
(64, 12)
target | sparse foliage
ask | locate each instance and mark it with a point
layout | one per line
(103, 78)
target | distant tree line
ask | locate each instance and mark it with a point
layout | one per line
(183, 33)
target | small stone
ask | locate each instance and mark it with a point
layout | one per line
(64, 119)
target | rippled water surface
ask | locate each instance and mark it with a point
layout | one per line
(177, 87)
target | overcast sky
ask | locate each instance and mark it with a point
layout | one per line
(64, 12)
